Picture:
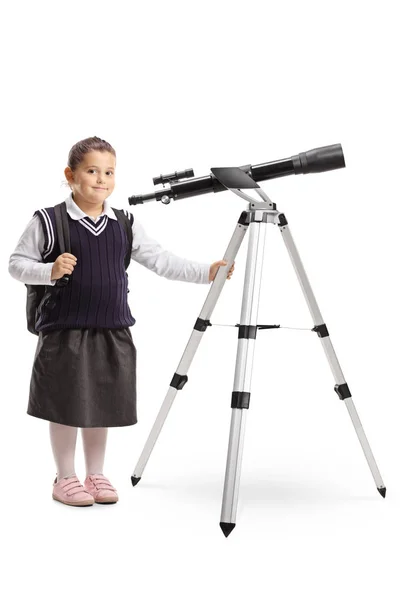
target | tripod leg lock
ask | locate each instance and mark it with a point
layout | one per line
(202, 324)
(244, 218)
(322, 330)
(247, 332)
(282, 220)
(240, 400)
(343, 391)
(178, 381)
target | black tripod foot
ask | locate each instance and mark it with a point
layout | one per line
(227, 528)
(135, 480)
(382, 491)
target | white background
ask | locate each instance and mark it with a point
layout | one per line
(174, 85)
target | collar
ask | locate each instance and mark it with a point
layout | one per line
(76, 213)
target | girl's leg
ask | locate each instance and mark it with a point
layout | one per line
(63, 443)
(94, 444)
(94, 441)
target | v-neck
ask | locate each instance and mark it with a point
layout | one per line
(95, 228)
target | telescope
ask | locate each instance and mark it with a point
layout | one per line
(326, 158)
(260, 213)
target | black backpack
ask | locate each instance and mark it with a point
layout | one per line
(39, 296)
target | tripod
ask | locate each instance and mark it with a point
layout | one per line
(259, 214)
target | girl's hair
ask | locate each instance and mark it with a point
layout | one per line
(77, 152)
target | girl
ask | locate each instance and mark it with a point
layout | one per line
(84, 370)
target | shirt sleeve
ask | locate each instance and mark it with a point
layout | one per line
(26, 262)
(149, 253)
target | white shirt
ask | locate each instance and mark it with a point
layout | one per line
(26, 262)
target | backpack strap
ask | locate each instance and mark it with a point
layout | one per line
(62, 227)
(127, 223)
(65, 226)
(40, 295)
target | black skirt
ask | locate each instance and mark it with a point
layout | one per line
(84, 378)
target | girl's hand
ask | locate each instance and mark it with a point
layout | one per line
(63, 265)
(215, 266)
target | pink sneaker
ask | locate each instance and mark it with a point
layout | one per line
(101, 489)
(69, 490)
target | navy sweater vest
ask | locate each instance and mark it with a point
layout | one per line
(96, 295)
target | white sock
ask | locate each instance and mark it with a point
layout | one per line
(63, 443)
(94, 440)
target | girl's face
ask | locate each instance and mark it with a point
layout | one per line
(94, 178)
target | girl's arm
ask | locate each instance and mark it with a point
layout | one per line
(149, 253)
(26, 262)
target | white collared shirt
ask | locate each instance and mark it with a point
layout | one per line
(26, 262)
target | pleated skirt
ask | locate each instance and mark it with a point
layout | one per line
(84, 378)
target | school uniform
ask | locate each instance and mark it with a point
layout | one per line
(84, 369)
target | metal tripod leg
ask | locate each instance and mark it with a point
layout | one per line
(180, 378)
(341, 387)
(243, 370)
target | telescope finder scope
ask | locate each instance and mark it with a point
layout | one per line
(173, 176)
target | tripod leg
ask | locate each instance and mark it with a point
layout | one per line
(243, 372)
(341, 387)
(180, 378)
